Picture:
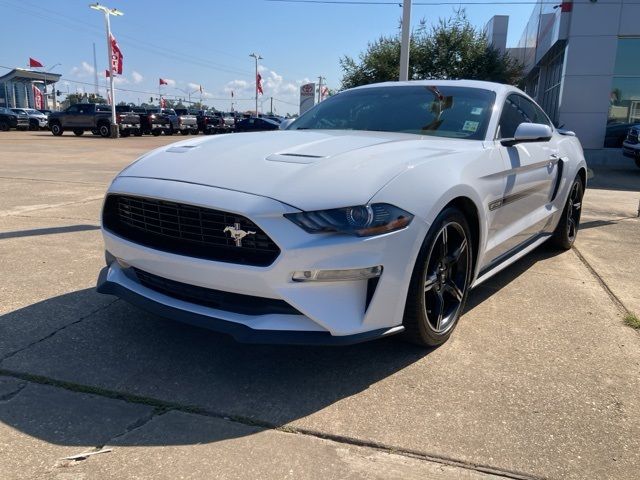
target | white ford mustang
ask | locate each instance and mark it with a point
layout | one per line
(374, 213)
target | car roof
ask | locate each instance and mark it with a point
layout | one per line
(498, 88)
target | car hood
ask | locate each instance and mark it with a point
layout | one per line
(305, 169)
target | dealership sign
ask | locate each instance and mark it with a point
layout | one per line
(307, 96)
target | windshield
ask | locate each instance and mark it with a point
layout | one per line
(19, 110)
(444, 111)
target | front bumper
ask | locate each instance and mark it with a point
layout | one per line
(166, 307)
(336, 312)
(631, 150)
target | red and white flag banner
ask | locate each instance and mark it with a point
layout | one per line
(163, 82)
(33, 63)
(116, 56)
(163, 102)
(37, 98)
(259, 84)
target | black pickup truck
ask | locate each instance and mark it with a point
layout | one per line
(208, 122)
(154, 122)
(92, 117)
(128, 120)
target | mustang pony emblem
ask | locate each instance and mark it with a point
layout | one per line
(237, 234)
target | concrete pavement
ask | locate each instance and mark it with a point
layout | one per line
(540, 380)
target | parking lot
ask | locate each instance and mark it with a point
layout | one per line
(540, 380)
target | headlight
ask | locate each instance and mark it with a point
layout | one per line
(363, 221)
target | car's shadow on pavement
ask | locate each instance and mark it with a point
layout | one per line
(123, 353)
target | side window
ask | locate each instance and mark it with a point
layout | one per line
(72, 109)
(533, 112)
(511, 117)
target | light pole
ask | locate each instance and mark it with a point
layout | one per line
(188, 93)
(107, 13)
(257, 57)
(46, 100)
(404, 44)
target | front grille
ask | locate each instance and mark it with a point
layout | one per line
(229, 302)
(187, 230)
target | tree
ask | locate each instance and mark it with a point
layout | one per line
(451, 49)
(74, 98)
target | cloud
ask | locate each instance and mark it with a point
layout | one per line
(84, 70)
(137, 78)
(120, 80)
(170, 82)
(193, 86)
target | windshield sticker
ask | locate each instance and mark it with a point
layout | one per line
(470, 126)
(476, 111)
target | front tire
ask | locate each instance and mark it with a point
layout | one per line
(57, 129)
(567, 230)
(440, 281)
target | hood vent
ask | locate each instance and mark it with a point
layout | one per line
(181, 148)
(294, 158)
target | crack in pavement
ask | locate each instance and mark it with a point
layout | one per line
(614, 298)
(162, 407)
(37, 208)
(46, 337)
(52, 181)
(8, 396)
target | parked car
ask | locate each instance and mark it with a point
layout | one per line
(153, 122)
(631, 144)
(274, 118)
(37, 119)
(187, 123)
(615, 133)
(83, 117)
(254, 124)
(374, 213)
(46, 111)
(10, 119)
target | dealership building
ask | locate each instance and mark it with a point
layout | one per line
(18, 88)
(581, 63)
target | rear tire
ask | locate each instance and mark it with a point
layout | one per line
(566, 232)
(4, 126)
(104, 130)
(78, 132)
(57, 129)
(440, 281)
(184, 132)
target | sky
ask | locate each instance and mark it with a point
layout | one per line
(207, 42)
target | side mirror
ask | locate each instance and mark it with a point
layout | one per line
(527, 133)
(285, 123)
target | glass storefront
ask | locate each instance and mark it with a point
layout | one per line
(625, 91)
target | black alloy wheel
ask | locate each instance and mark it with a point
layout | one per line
(104, 130)
(440, 281)
(567, 230)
